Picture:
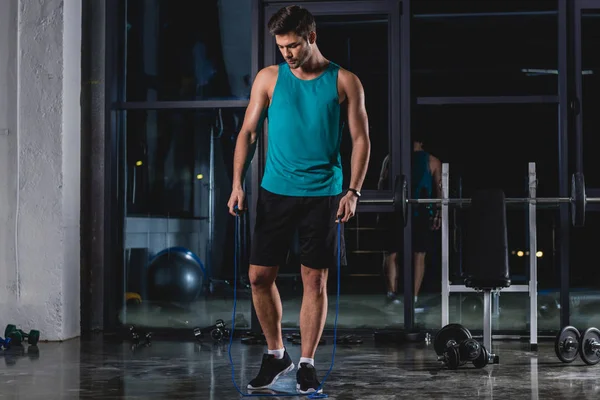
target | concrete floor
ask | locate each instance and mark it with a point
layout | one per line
(99, 368)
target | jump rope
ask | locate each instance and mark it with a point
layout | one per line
(316, 394)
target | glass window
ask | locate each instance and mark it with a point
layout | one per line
(585, 274)
(188, 50)
(360, 45)
(491, 146)
(484, 48)
(590, 37)
(179, 236)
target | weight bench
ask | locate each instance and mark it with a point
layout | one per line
(486, 253)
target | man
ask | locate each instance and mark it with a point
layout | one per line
(426, 183)
(302, 183)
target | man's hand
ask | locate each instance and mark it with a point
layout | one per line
(436, 222)
(236, 199)
(347, 207)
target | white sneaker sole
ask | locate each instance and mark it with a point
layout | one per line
(279, 375)
(311, 390)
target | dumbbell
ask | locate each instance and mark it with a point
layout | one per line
(17, 335)
(217, 331)
(455, 346)
(136, 338)
(5, 343)
(570, 343)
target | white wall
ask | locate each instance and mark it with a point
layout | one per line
(40, 64)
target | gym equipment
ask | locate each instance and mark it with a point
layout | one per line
(577, 201)
(133, 299)
(450, 335)
(349, 340)
(589, 346)
(566, 344)
(175, 275)
(486, 263)
(17, 335)
(569, 343)
(217, 332)
(136, 338)
(296, 339)
(491, 297)
(252, 338)
(455, 346)
(5, 343)
(316, 394)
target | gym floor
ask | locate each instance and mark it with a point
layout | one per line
(99, 368)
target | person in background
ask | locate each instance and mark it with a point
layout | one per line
(426, 183)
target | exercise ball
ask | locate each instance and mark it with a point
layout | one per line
(175, 275)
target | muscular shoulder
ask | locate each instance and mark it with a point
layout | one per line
(266, 78)
(348, 80)
(349, 84)
(435, 162)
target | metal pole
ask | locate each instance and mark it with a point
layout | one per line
(445, 248)
(487, 320)
(532, 258)
(211, 203)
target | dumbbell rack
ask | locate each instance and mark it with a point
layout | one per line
(531, 287)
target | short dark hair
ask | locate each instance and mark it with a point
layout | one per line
(294, 19)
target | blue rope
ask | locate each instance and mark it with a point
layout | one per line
(316, 394)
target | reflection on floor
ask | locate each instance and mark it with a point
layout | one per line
(97, 368)
(374, 311)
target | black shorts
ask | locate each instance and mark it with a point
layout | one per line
(279, 217)
(422, 235)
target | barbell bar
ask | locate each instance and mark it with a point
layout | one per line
(578, 199)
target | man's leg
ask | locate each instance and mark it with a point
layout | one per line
(267, 303)
(313, 313)
(391, 272)
(318, 242)
(419, 263)
(275, 224)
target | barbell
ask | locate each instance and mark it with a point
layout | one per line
(578, 199)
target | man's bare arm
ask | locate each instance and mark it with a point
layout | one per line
(436, 172)
(358, 123)
(245, 146)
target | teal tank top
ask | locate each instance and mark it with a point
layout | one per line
(304, 135)
(422, 179)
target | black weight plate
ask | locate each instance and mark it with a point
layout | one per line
(452, 358)
(567, 355)
(589, 355)
(454, 332)
(483, 359)
(578, 200)
(400, 198)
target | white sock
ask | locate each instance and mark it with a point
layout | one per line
(416, 298)
(310, 361)
(277, 353)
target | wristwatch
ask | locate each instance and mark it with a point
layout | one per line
(356, 192)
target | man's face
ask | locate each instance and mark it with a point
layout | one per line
(294, 49)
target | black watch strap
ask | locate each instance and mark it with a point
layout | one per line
(356, 192)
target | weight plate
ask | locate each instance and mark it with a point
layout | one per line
(9, 329)
(400, 198)
(578, 199)
(589, 354)
(452, 358)
(483, 359)
(567, 353)
(450, 332)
